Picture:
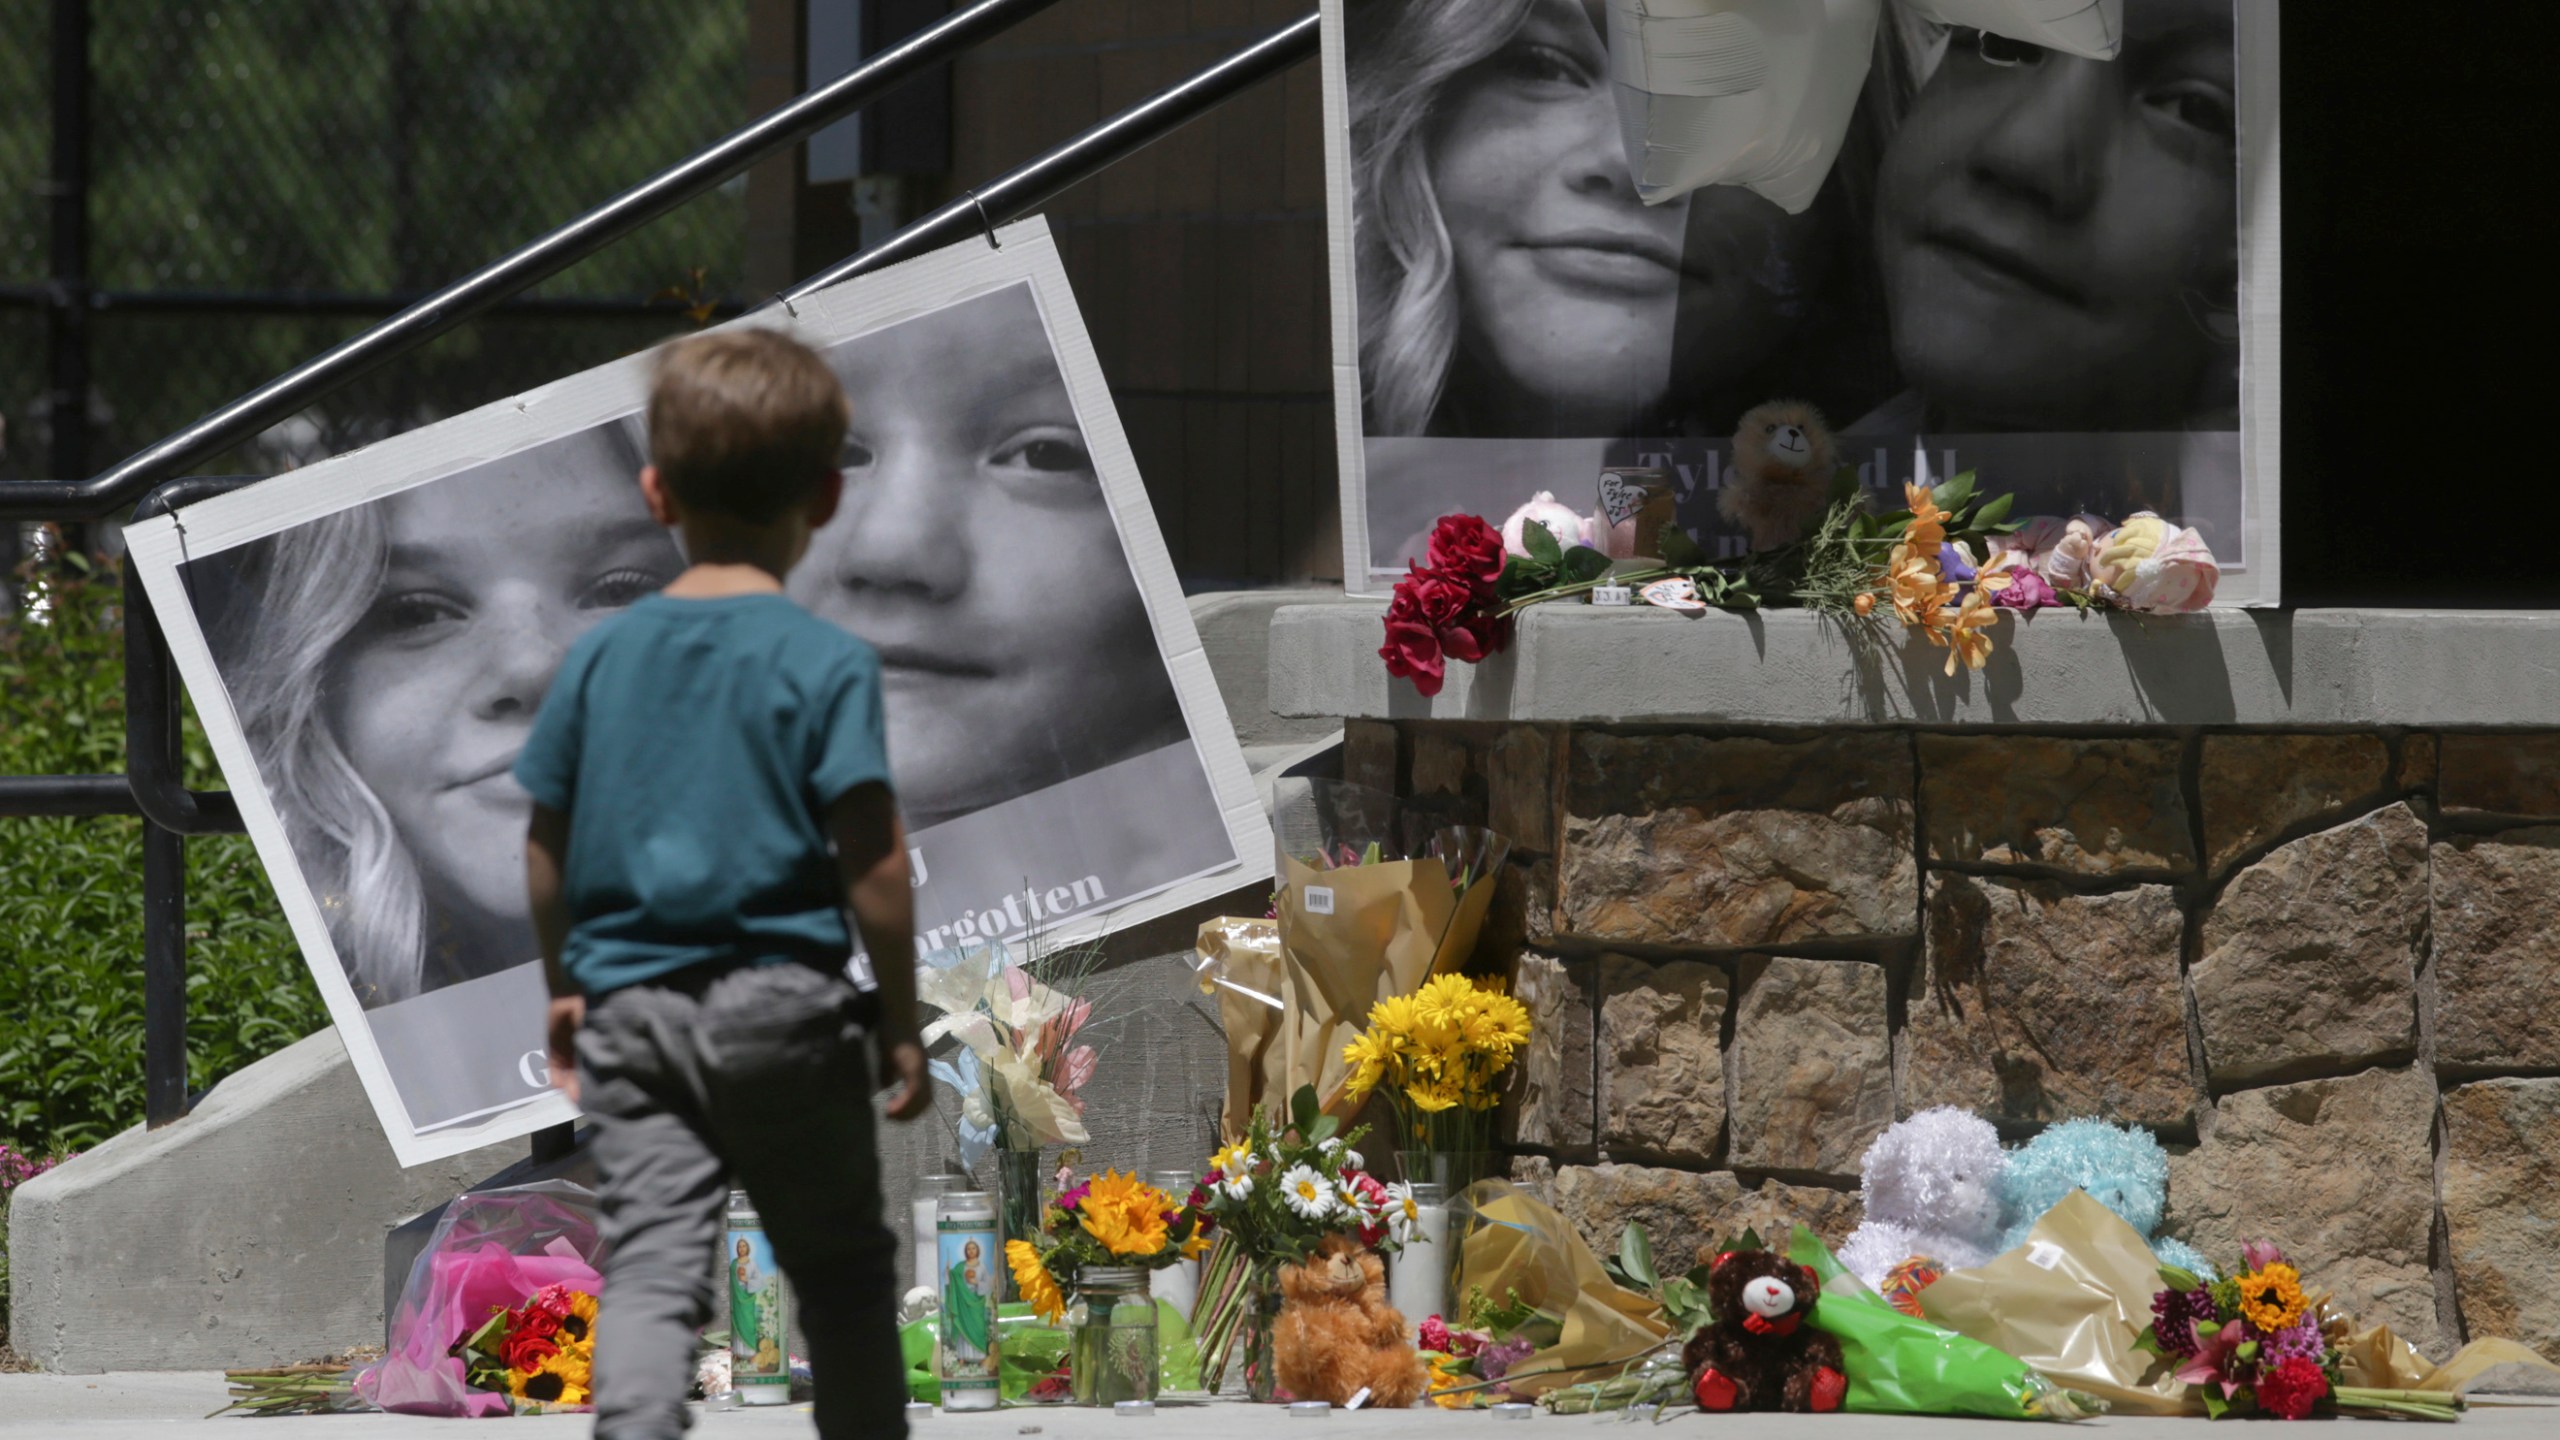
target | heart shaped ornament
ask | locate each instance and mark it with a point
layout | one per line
(2092, 29)
(1756, 93)
(1678, 594)
(1619, 500)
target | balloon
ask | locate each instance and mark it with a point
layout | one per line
(1756, 93)
(2091, 28)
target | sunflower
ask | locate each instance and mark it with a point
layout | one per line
(1031, 1276)
(563, 1379)
(578, 1327)
(1125, 1214)
(2271, 1299)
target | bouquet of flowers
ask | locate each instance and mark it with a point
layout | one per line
(540, 1353)
(1273, 1196)
(2257, 1343)
(1437, 1054)
(1021, 1072)
(1110, 1219)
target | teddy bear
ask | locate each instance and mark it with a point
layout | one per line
(1782, 464)
(2122, 1168)
(1338, 1336)
(1757, 1353)
(1932, 1187)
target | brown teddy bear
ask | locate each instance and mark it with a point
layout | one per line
(1337, 1335)
(1782, 465)
(1758, 1354)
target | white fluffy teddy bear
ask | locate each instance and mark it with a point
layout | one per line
(1932, 1187)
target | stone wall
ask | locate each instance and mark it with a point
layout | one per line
(2324, 968)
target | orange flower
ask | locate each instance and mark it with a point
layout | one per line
(1969, 633)
(1918, 593)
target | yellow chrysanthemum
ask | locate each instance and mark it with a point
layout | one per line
(1445, 1376)
(1125, 1214)
(2272, 1298)
(1039, 1288)
(1431, 1099)
(1196, 1246)
(1368, 1056)
(1234, 1159)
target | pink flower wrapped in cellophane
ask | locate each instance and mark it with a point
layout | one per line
(491, 1250)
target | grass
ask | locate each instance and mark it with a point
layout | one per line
(71, 900)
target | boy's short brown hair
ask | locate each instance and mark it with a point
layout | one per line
(745, 422)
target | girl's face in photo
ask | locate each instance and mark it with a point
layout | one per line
(2053, 231)
(1579, 300)
(975, 550)
(490, 576)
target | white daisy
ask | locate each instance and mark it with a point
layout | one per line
(1307, 1192)
(1238, 1186)
(1351, 1160)
(1404, 1217)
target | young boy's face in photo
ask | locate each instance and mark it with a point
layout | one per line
(975, 550)
(2050, 229)
(490, 577)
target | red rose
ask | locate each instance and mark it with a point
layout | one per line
(1437, 616)
(524, 1353)
(540, 1324)
(1464, 545)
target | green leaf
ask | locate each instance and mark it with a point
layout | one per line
(1750, 1241)
(1541, 543)
(2215, 1407)
(1326, 1127)
(1993, 511)
(1582, 564)
(1844, 484)
(1635, 1254)
(1676, 548)
(1302, 1109)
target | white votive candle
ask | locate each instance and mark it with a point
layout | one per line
(921, 1230)
(1418, 1275)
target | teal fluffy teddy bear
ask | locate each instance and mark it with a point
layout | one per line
(2122, 1168)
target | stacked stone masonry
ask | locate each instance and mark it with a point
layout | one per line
(2324, 968)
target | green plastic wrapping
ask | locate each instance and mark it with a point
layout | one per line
(1032, 1352)
(1901, 1365)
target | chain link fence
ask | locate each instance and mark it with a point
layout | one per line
(267, 177)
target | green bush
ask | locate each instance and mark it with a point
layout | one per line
(71, 897)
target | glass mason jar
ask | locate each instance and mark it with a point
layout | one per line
(1113, 1322)
(1261, 1320)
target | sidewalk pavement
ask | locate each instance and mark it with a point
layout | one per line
(173, 1406)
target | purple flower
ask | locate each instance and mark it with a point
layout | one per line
(1954, 564)
(2026, 591)
(2174, 1314)
(1495, 1360)
(2301, 1338)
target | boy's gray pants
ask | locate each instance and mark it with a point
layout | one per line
(758, 1076)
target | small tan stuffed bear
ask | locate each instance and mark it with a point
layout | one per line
(1337, 1334)
(1783, 460)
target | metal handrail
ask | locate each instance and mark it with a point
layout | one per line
(128, 480)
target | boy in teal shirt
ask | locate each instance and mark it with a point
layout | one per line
(711, 797)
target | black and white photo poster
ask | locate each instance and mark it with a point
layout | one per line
(2054, 270)
(367, 641)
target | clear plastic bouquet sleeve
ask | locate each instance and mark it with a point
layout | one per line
(493, 1248)
(1756, 93)
(2092, 29)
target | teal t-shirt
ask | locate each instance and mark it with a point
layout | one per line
(695, 746)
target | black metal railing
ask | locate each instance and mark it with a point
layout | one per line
(152, 785)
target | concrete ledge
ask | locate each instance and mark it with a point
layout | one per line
(249, 1233)
(1788, 667)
